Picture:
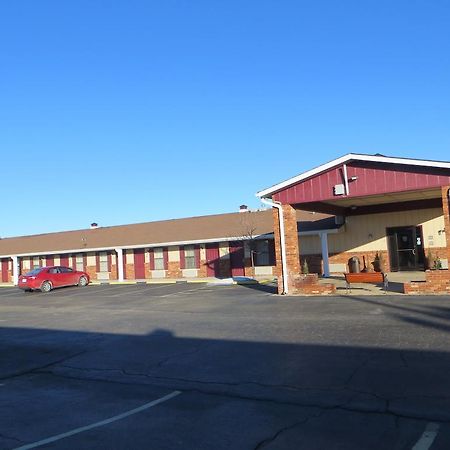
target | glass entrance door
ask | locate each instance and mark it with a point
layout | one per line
(405, 248)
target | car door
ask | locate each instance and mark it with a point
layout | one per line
(53, 275)
(67, 276)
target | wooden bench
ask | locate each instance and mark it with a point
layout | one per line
(366, 277)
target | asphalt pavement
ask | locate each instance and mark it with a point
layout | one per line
(192, 366)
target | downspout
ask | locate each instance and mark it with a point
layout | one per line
(282, 242)
(346, 180)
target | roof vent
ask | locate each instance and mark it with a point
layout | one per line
(243, 208)
(94, 225)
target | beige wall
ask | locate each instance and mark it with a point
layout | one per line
(174, 253)
(310, 245)
(368, 232)
(129, 259)
(224, 251)
(202, 252)
(90, 259)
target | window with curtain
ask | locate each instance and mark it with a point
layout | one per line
(103, 261)
(158, 256)
(79, 262)
(35, 263)
(189, 257)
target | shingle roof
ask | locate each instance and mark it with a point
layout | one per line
(186, 230)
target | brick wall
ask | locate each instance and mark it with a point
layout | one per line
(224, 268)
(367, 256)
(436, 282)
(113, 273)
(309, 285)
(292, 246)
(173, 269)
(445, 211)
(128, 270)
(92, 272)
(148, 272)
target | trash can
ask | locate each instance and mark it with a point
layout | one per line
(354, 265)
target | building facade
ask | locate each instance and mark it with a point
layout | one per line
(393, 214)
(220, 246)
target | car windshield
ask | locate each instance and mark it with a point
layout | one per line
(33, 272)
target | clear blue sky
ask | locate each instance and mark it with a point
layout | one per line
(132, 111)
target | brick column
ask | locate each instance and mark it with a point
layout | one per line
(445, 211)
(292, 247)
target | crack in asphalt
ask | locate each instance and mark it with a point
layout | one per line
(39, 368)
(355, 371)
(277, 434)
(344, 406)
(178, 355)
(227, 383)
(403, 359)
(11, 438)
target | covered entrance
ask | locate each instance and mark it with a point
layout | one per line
(405, 247)
(393, 212)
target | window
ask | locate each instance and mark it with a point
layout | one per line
(36, 263)
(65, 270)
(261, 253)
(189, 257)
(79, 263)
(159, 258)
(33, 272)
(103, 261)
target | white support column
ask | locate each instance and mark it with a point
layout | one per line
(119, 264)
(325, 260)
(15, 270)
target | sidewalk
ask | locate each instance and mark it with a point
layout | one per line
(395, 286)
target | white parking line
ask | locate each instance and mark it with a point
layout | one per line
(181, 292)
(142, 290)
(101, 423)
(427, 438)
(95, 289)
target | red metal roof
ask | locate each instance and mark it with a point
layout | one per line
(371, 176)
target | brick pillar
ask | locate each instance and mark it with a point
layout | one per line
(445, 211)
(292, 247)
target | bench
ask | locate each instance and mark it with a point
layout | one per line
(366, 277)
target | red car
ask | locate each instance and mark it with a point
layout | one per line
(48, 278)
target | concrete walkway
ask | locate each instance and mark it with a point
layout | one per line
(395, 286)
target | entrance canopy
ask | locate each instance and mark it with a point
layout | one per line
(364, 184)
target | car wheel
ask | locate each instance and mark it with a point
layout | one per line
(82, 281)
(46, 286)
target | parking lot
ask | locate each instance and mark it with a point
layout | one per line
(193, 366)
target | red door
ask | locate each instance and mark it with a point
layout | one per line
(237, 259)
(139, 264)
(64, 261)
(5, 270)
(212, 260)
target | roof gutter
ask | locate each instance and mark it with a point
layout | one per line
(284, 272)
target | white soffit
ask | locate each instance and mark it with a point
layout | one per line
(347, 158)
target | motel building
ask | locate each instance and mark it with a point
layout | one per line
(392, 213)
(380, 213)
(239, 244)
